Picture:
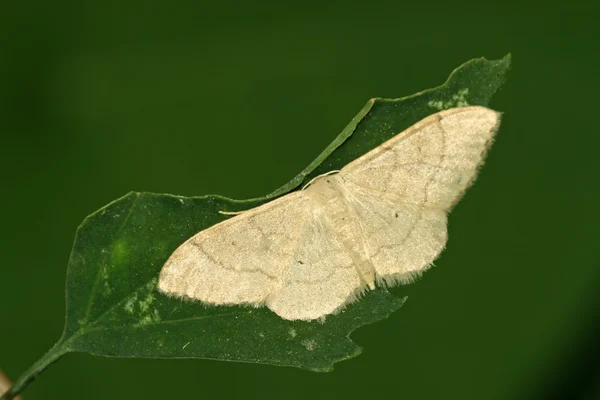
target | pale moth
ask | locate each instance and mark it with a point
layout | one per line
(380, 220)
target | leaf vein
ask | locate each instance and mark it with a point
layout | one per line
(98, 273)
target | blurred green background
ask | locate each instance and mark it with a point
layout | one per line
(100, 98)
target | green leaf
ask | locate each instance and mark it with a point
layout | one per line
(114, 309)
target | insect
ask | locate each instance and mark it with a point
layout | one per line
(380, 220)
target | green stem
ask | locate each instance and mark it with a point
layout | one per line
(30, 374)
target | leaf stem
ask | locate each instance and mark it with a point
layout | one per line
(58, 350)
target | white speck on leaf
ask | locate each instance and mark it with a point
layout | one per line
(309, 344)
(130, 303)
(149, 318)
(459, 99)
(147, 302)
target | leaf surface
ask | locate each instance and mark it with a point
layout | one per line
(114, 308)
